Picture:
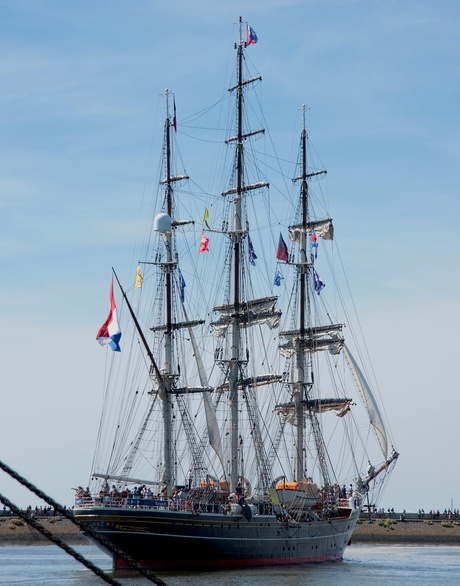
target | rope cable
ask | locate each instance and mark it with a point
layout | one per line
(80, 558)
(94, 534)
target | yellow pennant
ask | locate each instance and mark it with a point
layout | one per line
(139, 279)
(206, 216)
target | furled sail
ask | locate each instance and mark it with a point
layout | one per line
(368, 400)
(287, 411)
(250, 313)
(318, 338)
(323, 228)
(253, 381)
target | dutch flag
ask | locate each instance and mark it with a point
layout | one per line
(110, 333)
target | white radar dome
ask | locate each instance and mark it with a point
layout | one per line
(162, 223)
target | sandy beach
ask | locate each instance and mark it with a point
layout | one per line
(14, 531)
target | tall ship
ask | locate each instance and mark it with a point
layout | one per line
(238, 425)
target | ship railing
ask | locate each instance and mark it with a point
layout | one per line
(117, 501)
(172, 504)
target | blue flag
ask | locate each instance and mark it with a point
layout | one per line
(182, 286)
(252, 254)
(278, 277)
(318, 284)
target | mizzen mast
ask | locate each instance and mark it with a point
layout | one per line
(308, 338)
(299, 394)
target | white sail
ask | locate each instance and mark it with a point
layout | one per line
(211, 420)
(368, 400)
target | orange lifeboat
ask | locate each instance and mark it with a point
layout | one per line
(303, 493)
(305, 484)
(207, 483)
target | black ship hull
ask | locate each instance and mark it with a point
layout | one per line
(165, 539)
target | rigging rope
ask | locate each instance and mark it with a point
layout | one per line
(94, 534)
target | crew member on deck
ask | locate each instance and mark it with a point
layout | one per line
(239, 492)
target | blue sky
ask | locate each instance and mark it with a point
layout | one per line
(81, 117)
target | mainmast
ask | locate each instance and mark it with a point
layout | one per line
(237, 234)
(240, 313)
(235, 331)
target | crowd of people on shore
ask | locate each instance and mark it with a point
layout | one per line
(32, 512)
(433, 514)
(447, 514)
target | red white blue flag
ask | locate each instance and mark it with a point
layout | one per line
(251, 37)
(314, 243)
(110, 333)
(282, 252)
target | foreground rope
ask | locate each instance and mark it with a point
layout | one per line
(69, 515)
(33, 523)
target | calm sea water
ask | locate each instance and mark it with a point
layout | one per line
(372, 565)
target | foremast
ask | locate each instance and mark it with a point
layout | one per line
(164, 224)
(167, 367)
